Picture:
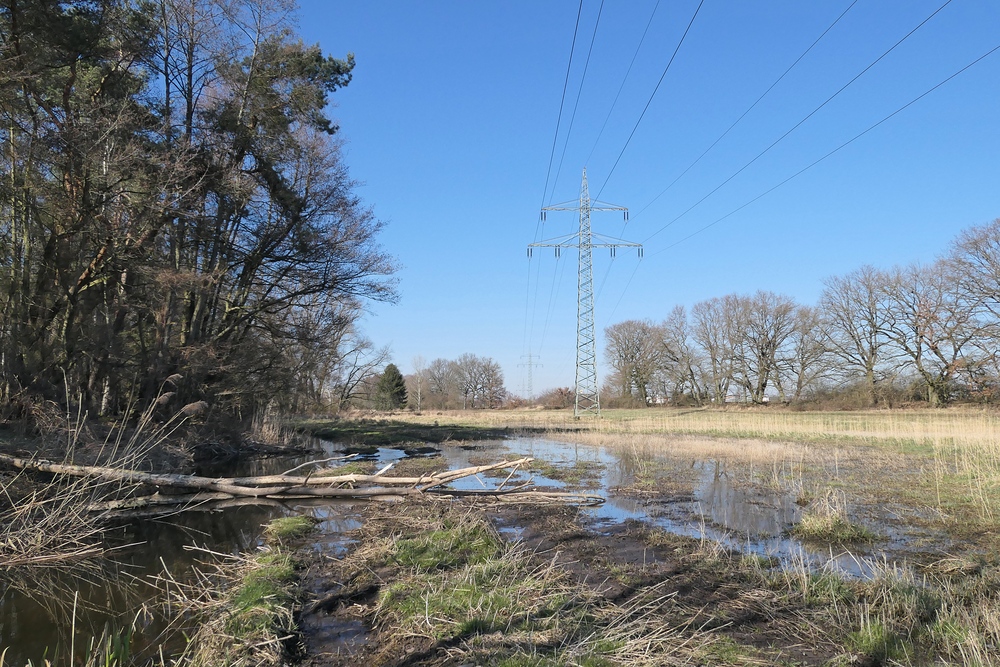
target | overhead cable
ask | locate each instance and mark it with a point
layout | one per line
(799, 124)
(530, 329)
(835, 150)
(562, 101)
(622, 86)
(750, 108)
(572, 118)
(645, 108)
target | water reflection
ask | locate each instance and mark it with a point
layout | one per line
(745, 519)
(745, 510)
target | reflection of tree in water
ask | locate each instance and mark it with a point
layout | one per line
(743, 510)
(40, 608)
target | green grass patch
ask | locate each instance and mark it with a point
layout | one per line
(578, 473)
(262, 599)
(349, 468)
(831, 529)
(826, 521)
(288, 528)
(454, 545)
(878, 642)
(381, 433)
(416, 466)
(244, 620)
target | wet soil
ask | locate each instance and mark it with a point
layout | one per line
(718, 595)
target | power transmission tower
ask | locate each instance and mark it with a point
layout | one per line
(588, 400)
(530, 364)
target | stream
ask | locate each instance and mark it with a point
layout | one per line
(49, 612)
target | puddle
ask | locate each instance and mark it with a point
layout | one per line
(719, 509)
(330, 636)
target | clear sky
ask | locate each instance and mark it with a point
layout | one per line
(450, 118)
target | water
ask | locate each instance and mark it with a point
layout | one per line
(37, 613)
(720, 510)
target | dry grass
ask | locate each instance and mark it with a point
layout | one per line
(943, 613)
(57, 522)
(52, 526)
(969, 429)
(826, 521)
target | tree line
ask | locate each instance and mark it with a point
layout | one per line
(174, 202)
(925, 332)
(468, 383)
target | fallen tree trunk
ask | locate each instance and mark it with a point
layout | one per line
(287, 486)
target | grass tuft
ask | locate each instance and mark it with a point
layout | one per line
(456, 544)
(826, 521)
(287, 528)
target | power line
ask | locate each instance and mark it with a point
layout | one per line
(557, 275)
(562, 101)
(529, 329)
(576, 104)
(621, 87)
(624, 291)
(645, 108)
(799, 124)
(835, 150)
(749, 109)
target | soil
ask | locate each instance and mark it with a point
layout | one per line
(718, 595)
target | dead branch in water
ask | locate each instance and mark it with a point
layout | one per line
(286, 486)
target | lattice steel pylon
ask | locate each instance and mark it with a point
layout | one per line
(588, 398)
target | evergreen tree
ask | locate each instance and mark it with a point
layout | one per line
(390, 393)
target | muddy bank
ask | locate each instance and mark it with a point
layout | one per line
(563, 593)
(694, 558)
(441, 583)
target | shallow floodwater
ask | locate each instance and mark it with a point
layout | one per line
(37, 614)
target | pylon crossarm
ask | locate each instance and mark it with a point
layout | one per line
(564, 206)
(616, 244)
(605, 206)
(570, 240)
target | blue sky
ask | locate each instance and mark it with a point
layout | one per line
(449, 125)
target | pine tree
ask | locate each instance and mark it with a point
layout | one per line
(390, 393)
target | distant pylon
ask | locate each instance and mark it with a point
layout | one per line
(588, 399)
(530, 364)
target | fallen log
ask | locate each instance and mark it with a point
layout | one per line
(272, 488)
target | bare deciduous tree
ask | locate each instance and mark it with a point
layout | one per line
(634, 348)
(856, 318)
(680, 362)
(932, 326)
(807, 360)
(713, 331)
(764, 322)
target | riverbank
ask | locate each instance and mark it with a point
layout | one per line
(439, 584)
